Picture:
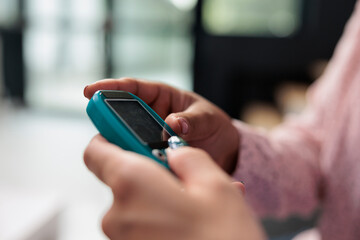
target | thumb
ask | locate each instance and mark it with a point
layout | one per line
(194, 167)
(194, 122)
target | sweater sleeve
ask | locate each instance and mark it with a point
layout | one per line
(282, 168)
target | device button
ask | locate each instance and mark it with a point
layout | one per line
(159, 155)
(175, 142)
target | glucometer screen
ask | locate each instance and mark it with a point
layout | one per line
(140, 121)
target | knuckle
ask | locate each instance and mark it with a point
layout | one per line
(106, 225)
(114, 224)
(86, 156)
(126, 79)
(120, 185)
(220, 187)
(88, 153)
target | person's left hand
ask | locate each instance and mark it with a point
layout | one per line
(198, 121)
(151, 203)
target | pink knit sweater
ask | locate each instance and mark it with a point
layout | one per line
(313, 160)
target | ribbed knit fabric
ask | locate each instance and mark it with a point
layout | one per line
(313, 160)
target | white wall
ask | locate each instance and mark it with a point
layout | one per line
(41, 162)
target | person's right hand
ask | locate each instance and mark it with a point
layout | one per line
(196, 120)
(197, 202)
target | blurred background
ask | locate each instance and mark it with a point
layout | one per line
(253, 58)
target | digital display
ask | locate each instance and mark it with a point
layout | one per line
(140, 121)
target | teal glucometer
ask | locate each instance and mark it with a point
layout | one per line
(127, 121)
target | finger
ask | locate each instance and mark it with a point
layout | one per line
(149, 90)
(110, 224)
(112, 165)
(100, 157)
(163, 98)
(191, 124)
(195, 167)
(199, 121)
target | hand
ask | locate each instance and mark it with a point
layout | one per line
(151, 203)
(199, 122)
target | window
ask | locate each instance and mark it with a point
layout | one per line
(8, 13)
(63, 50)
(152, 40)
(259, 18)
(67, 46)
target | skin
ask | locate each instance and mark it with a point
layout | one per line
(196, 120)
(200, 201)
(151, 203)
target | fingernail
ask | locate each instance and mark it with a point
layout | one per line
(184, 126)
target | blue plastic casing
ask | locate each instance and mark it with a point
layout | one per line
(115, 130)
